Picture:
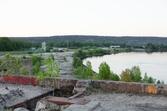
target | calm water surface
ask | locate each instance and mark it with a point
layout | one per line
(154, 64)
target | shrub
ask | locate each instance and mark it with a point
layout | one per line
(29, 52)
(125, 76)
(36, 59)
(114, 77)
(24, 57)
(80, 73)
(104, 71)
(88, 70)
(135, 74)
(77, 62)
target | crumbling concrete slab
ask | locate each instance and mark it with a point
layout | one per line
(90, 106)
(22, 94)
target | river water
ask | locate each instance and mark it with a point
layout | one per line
(154, 64)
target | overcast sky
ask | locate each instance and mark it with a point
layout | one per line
(83, 17)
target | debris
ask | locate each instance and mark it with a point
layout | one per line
(65, 101)
(43, 105)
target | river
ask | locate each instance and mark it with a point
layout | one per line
(154, 64)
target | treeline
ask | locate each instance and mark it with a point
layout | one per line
(150, 47)
(84, 44)
(10, 45)
(17, 45)
(130, 40)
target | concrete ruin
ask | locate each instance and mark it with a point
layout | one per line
(75, 85)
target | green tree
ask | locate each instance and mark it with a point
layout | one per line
(145, 79)
(151, 80)
(5, 44)
(114, 77)
(77, 62)
(158, 82)
(125, 76)
(88, 70)
(135, 74)
(52, 67)
(104, 71)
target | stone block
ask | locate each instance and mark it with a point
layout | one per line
(95, 84)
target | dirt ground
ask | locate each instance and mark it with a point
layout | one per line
(128, 102)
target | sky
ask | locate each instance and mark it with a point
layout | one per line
(23, 18)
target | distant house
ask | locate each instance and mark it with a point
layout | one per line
(113, 47)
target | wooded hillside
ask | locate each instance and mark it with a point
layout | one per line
(81, 38)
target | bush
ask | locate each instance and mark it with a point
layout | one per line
(29, 52)
(114, 77)
(24, 57)
(36, 59)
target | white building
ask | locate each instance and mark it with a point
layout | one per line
(113, 47)
(44, 46)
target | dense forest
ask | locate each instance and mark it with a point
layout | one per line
(10, 45)
(129, 40)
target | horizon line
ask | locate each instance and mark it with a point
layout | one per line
(84, 35)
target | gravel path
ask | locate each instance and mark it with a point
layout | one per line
(126, 102)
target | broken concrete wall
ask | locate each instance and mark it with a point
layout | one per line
(63, 83)
(27, 80)
(130, 87)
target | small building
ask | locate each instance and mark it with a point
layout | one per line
(60, 50)
(113, 47)
(33, 48)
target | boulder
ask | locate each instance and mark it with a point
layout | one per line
(43, 105)
(21, 109)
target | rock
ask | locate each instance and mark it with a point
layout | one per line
(81, 86)
(46, 106)
(21, 109)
